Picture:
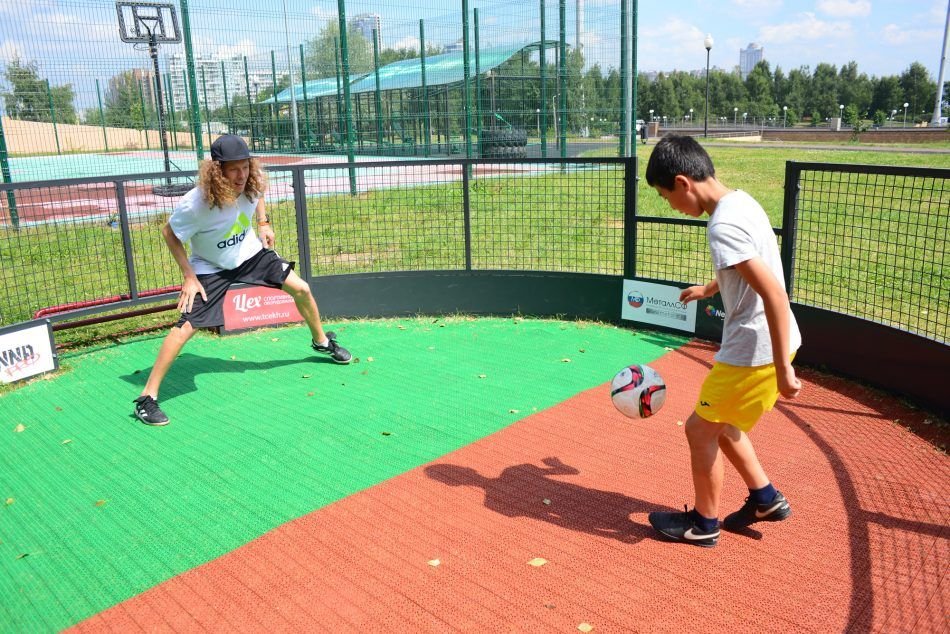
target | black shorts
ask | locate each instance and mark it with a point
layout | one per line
(265, 268)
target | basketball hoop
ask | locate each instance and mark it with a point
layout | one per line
(153, 23)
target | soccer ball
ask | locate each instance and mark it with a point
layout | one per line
(638, 391)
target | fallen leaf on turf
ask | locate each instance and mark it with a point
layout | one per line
(482, 376)
(309, 393)
(306, 376)
(679, 423)
(401, 327)
(585, 627)
(59, 409)
(233, 357)
(9, 501)
(369, 359)
(565, 360)
(67, 441)
(433, 562)
(19, 428)
(386, 433)
(275, 339)
(441, 325)
(22, 555)
(582, 350)
(513, 411)
(100, 502)
(549, 606)
(546, 501)
(537, 562)
(364, 372)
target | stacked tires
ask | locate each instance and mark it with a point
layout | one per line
(502, 143)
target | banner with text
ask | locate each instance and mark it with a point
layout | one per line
(657, 304)
(257, 306)
(26, 350)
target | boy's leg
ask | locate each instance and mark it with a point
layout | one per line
(737, 447)
(171, 346)
(706, 462)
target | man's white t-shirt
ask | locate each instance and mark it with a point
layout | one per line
(739, 230)
(221, 238)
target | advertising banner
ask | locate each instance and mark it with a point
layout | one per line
(257, 306)
(657, 304)
(26, 350)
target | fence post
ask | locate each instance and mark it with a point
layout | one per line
(630, 217)
(126, 239)
(144, 117)
(191, 84)
(303, 228)
(348, 108)
(5, 170)
(427, 124)
(467, 211)
(793, 174)
(102, 118)
(466, 92)
(52, 116)
(543, 109)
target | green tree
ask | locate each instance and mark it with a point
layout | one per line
(888, 96)
(759, 89)
(322, 53)
(122, 102)
(28, 98)
(919, 90)
(855, 88)
(823, 96)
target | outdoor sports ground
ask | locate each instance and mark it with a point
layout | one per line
(464, 475)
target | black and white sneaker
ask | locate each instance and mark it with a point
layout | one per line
(147, 411)
(750, 513)
(681, 528)
(334, 350)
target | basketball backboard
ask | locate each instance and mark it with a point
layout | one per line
(138, 21)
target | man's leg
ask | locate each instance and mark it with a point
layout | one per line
(306, 304)
(171, 346)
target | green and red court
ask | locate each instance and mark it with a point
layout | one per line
(464, 475)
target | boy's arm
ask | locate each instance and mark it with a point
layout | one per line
(190, 285)
(699, 292)
(760, 278)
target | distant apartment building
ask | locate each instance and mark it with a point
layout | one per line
(365, 23)
(749, 57)
(218, 80)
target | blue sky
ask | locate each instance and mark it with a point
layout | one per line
(76, 40)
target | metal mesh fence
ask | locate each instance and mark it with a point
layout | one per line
(80, 102)
(872, 242)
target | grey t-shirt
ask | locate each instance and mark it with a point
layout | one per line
(221, 238)
(739, 230)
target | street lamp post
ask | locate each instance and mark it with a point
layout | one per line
(840, 114)
(651, 114)
(537, 114)
(744, 115)
(905, 114)
(735, 113)
(690, 116)
(784, 115)
(708, 43)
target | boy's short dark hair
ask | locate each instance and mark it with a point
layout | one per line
(675, 155)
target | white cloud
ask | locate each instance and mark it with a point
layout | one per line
(844, 8)
(896, 35)
(243, 47)
(758, 5)
(323, 14)
(410, 42)
(807, 28)
(10, 50)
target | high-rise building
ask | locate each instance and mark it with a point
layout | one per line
(365, 23)
(749, 57)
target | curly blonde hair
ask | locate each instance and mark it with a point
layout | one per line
(218, 191)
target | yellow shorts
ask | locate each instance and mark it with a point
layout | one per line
(737, 395)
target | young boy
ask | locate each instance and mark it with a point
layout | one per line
(216, 217)
(760, 337)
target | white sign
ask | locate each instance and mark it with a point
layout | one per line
(26, 350)
(657, 304)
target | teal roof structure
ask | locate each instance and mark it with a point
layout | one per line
(441, 70)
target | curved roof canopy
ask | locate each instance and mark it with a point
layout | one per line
(441, 70)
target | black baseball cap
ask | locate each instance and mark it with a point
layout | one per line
(229, 147)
